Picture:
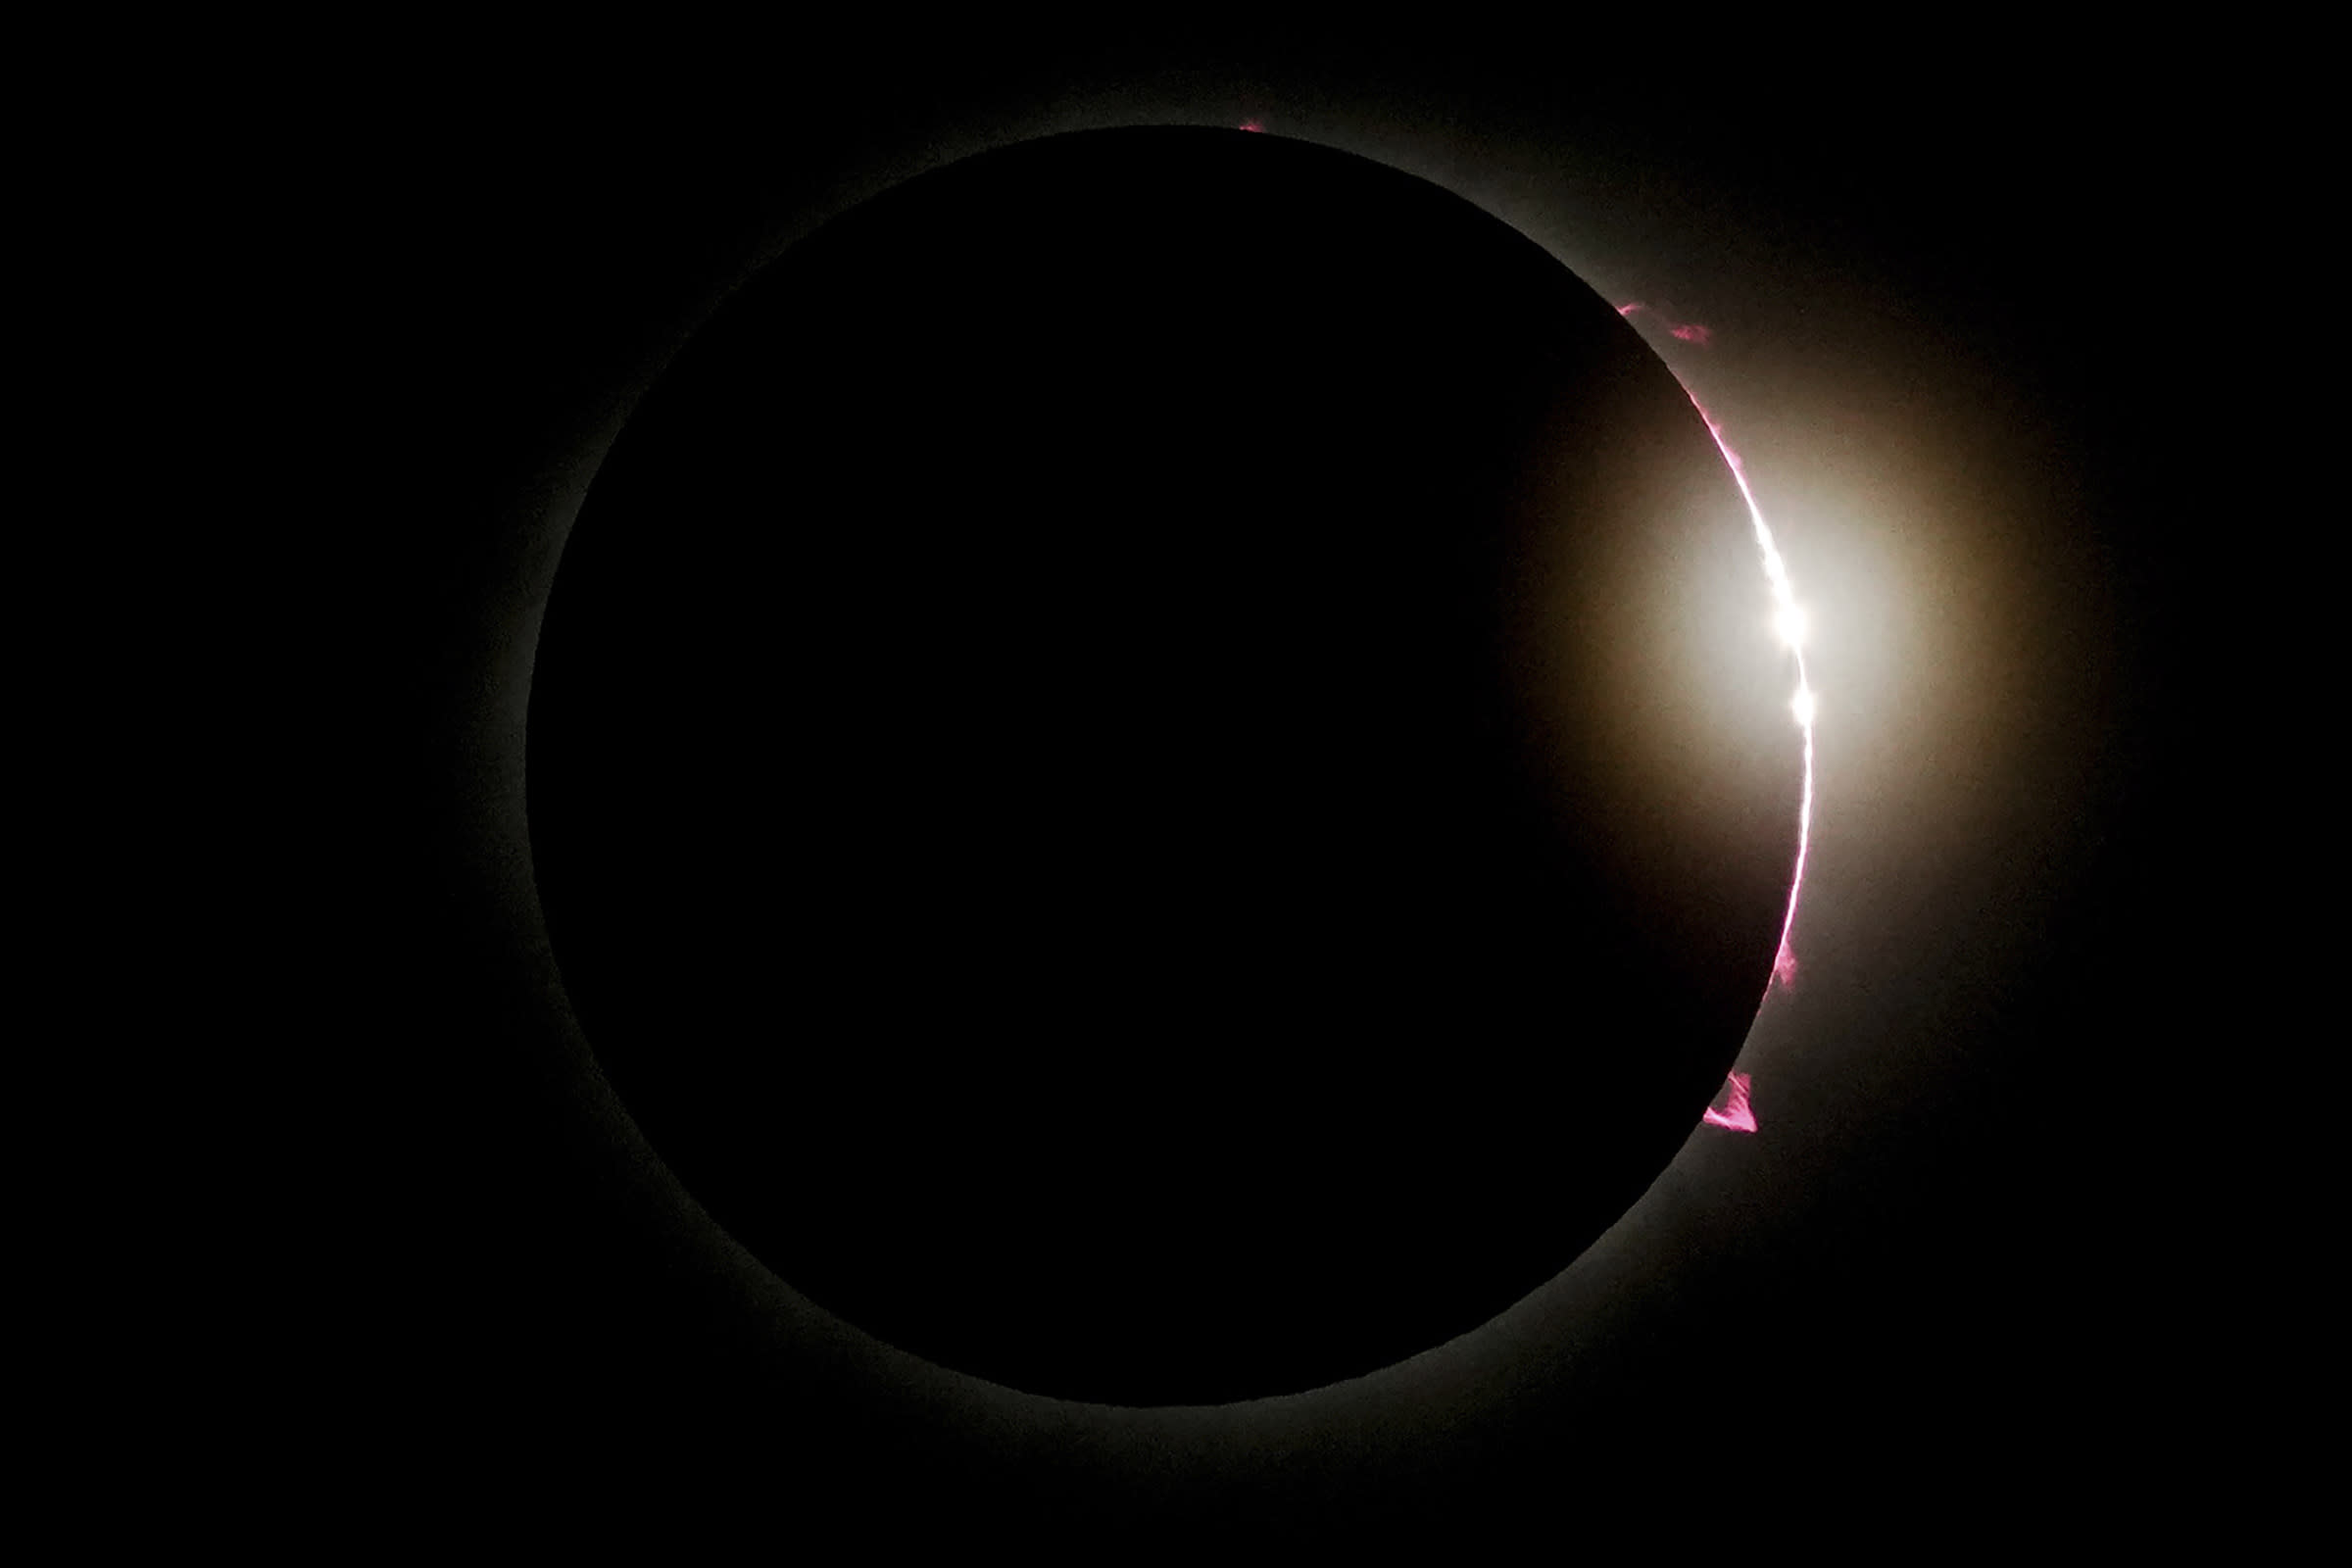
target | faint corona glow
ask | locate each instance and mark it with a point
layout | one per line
(1735, 1112)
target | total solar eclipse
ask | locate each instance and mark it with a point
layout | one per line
(1159, 768)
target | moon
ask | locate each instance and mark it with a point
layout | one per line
(1158, 768)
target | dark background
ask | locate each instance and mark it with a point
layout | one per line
(1964, 1255)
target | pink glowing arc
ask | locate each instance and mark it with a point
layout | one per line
(1784, 593)
(1784, 963)
(1735, 1112)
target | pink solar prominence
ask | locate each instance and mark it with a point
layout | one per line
(1735, 1112)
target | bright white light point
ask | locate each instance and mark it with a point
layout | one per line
(1791, 625)
(1784, 599)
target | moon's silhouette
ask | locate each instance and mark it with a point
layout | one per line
(1158, 768)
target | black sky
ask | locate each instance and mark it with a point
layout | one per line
(1953, 1250)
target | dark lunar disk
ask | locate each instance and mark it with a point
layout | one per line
(1156, 769)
